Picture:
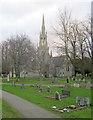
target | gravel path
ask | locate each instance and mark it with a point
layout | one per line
(26, 108)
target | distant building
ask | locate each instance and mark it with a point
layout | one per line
(51, 66)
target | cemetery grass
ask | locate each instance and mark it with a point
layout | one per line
(45, 81)
(9, 112)
(31, 94)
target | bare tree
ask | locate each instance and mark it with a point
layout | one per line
(63, 31)
(21, 53)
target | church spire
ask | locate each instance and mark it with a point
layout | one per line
(43, 25)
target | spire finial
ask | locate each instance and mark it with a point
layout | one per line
(43, 25)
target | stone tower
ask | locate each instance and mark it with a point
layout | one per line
(43, 51)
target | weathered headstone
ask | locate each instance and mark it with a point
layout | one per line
(57, 96)
(79, 80)
(76, 80)
(48, 89)
(40, 89)
(76, 85)
(83, 101)
(22, 87)
(66, 92)
(83, 79)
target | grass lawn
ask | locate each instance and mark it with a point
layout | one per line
(9, 112)
(31, 94)
(45, 81)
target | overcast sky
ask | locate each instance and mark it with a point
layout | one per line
(25, 16)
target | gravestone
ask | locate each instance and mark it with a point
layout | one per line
(67, 86)
(79, 80)
(57, 96)
(48, 89)
(88, 86)
(66, 92)
(76, 85)
(83, 79)
(22, 87)
(8, 78)
(83, 101)
(40, 89)
(32, 85)
(76, 80)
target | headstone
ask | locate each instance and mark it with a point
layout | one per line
(76, 80)
(83, 101)
(66, 92)
(40, 89)
(76, 85)
(79, 80)
(83, 79)
(57, 96)
(8, 78)
(48, 89)
(22, 87)
(32, 85)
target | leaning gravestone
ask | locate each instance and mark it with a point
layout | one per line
(22, 87)
(88, 86)
(83, 101)
(48, 89)
(57, 96)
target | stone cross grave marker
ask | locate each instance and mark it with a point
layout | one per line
(57, 96)
(83, 101)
